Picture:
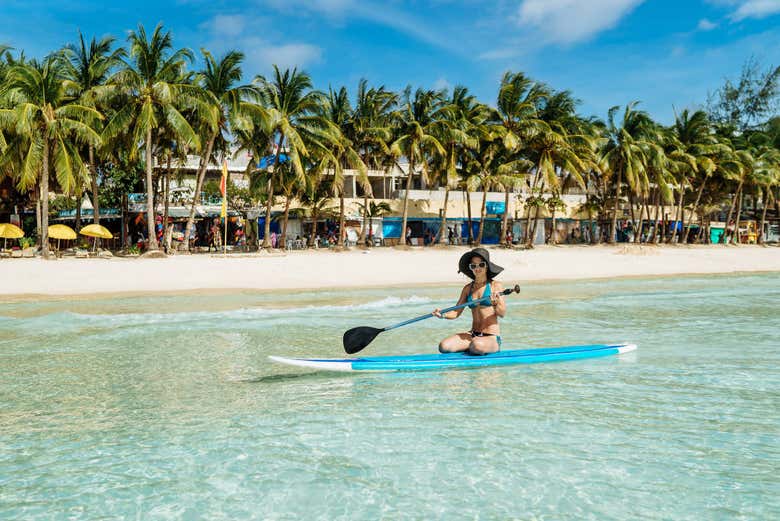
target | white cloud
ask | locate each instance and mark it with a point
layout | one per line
(706, 25)
(263, 55)
(442, 84)
(756, 9)
(386, 14)
(235, 32)
(225, 25)
(569, 21)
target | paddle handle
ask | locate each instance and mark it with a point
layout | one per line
(507, 291)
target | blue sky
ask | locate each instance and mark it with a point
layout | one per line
(666, 54)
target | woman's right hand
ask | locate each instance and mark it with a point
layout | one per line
(437, 313)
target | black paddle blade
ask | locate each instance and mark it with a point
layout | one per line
(359, 337)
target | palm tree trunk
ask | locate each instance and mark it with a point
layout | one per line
(553, 240)
(736, 221)
(342, 231)
(613, 229)
(443, 224)
(643, 210)
(505, 220)
(45, 201)
(482, 218)
(362, 238)
(529, 235)
(150, 210)
(529, 238)
(267, 225)
(79, 196)
(591, 231)
(532, 227)
(270, 194)
(314, 219)
(678, 214)
(535, 224)
(695, 209)
(731, 212)
(766, 197)
(38, 225)
(654, 238)
(95, 188)
(631, 207)
(287, 201)
(204, 163)
(166, 196)
(405, 213)
(705, 228)
(468, 207)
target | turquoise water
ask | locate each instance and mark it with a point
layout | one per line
(167, 408)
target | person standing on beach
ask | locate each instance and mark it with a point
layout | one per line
(216, 235)
(408, 235)
(484, 337)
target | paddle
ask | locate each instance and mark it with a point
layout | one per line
(359, 337)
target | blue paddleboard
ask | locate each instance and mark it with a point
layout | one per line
(457, 360)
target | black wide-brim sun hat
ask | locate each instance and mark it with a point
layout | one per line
(492, 268)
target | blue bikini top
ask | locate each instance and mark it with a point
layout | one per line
(485, 293)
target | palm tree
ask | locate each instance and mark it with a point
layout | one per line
(517, 119)
(374, 211)
(484, 165)
(286, 183)
(417, 136)
(464, 121)
(625, 154)
(154, 92)
(88, 67)
(316, 198)
(559, 149)
(370, 133)
(767, 178)
(339, 115)
(740, 169)
(52, 129)
(697, 149)
(229, 107)
(295, 120)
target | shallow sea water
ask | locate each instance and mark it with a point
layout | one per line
(166, 407)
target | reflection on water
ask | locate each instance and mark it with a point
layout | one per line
(167, 407)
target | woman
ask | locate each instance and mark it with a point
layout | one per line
(484, 337)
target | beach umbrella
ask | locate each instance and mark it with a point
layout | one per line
(61, 232)
(10, 231)
(96, 230)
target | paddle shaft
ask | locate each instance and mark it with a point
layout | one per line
(446, 310)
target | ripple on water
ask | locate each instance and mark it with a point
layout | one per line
(167, 408)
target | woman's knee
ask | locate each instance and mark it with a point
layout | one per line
(446, 347)
(452, 345)
(483, 346)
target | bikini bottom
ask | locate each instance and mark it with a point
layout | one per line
(480, 333)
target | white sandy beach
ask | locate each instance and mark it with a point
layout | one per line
(359, 268)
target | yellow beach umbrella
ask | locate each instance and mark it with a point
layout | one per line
(10, 231)
(61, 231)
(96, 230)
